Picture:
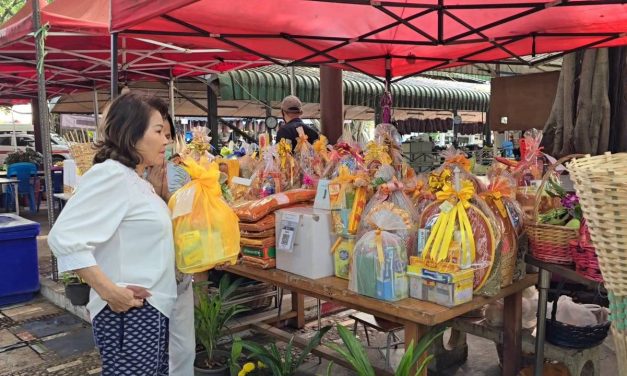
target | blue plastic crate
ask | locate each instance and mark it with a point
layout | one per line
(19, 270)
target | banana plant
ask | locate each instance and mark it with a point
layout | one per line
(354, 353)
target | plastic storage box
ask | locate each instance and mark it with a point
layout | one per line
(310, 255)
(19, 270)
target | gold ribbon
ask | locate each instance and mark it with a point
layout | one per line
(378, 239)
(284, 149)
(320, 147)
(301, 141)
(441, 235)
(377, 152)
(497, 199)
(438, 181)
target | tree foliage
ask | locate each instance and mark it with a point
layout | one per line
(8, 8)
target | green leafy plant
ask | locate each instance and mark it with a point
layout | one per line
(69, 278)
(353, 352)
(277, 363)
(213, 313)
(29, 155)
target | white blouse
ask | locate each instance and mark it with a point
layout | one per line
(116, 220)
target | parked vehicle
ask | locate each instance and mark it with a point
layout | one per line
(10, 142)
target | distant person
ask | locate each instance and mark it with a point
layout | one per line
(508, 147)
(292, 110)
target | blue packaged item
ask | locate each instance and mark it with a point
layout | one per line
(19, 269)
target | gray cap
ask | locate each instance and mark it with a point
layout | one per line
(292, 104)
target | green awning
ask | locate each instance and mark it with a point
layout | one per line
(272, 84)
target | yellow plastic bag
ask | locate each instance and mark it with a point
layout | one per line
(206, 230)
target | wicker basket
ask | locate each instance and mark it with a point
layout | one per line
(550, 243)
(570, 336)
(83, 154)
(601, 184)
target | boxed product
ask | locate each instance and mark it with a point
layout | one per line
(342, 255)
(445, 288)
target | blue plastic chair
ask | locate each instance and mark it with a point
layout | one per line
(23, 172)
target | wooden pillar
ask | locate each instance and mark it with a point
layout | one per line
(212, 117)
(331, 103)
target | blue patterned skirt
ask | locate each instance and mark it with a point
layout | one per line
(133, 343)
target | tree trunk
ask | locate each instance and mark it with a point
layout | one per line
(603, 66)
(550, 136)
(583, 127)
(569, 66)
(599, 139)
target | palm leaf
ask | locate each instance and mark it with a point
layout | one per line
(313, 343)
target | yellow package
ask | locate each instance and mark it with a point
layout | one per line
(206, 230)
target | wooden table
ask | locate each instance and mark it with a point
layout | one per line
(543, 288)
(417, 316)
(13, 182)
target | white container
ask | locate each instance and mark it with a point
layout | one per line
(313, 239)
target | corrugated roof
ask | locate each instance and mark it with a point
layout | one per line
(272, 83)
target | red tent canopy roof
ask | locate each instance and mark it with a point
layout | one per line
(378, 37)
(78, 50)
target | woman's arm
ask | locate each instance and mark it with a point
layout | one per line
(119, 299)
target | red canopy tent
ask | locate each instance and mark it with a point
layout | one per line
(78, 52)
(380, 38)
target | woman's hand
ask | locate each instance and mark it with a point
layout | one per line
(158, 177)
(121, 299)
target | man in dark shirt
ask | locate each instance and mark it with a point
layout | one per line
(292, 110)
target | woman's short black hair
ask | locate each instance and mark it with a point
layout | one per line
(125, 124)
(163, 109)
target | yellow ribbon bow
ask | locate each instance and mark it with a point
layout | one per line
(438, 181)
(284, 149)
(453, 212)
(496, 197)
(320, 147)
(377, 152)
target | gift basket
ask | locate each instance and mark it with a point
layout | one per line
(500, 199)
(601, 184)
(458, 232)
(390, 191)
(379, 263)
(310, 162)
(551, 232)
(585, 256)
(206, 231)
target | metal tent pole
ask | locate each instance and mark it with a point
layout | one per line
(44, 121)
(96, 111)
(171, 87)
(114, 65)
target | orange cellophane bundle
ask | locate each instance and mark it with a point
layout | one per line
(259, 262)
(252, 211)
(206, 230)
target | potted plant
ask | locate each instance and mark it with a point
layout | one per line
(29, 155)
(75, 289)
(270, 361)
(211, 317)
(354, 353)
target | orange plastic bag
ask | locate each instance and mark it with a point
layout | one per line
(206, 230)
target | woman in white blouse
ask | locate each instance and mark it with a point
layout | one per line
(116, 234)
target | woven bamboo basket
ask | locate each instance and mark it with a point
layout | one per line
(83, 155)
(550, 243)
(601, 184)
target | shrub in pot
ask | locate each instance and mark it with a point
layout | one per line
(211, 317)
(75, 289)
